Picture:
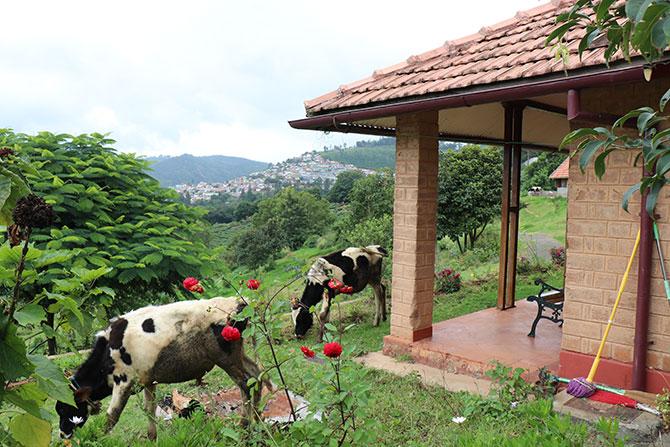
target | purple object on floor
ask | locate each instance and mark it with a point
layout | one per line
(580, 387)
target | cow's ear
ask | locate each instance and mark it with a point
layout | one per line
(83, 394)
(240, 325)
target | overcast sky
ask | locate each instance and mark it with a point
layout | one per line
(209, 77)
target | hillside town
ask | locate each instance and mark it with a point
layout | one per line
(308, 169)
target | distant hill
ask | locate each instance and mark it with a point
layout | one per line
(171, 171)
(374, 154)
(371, 154)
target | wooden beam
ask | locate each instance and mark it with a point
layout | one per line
(504, 218)
(514, 208)
(511, 200)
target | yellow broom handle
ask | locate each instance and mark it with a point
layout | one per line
(624, 280)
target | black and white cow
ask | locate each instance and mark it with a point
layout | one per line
(356, 267)
(158, 344)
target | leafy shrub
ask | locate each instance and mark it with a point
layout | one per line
(447, 281)
(377, 230)
(528, 265)
(110, 210)
(558, 256)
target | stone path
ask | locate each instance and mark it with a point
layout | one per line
(429, 375)
(539, 243)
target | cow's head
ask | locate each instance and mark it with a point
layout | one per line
(72, 417)
(303, 320)
(90, 385)
(302, 317)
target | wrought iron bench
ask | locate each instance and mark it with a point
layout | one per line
(549, 297)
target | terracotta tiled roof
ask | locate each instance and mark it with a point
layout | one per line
(562, 170)
(510, 50)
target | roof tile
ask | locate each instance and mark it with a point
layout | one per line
(512, 49)
(562, 170)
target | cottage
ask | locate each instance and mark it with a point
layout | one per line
(560, 177)
(502, 86)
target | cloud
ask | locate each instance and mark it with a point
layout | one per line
(207, 76)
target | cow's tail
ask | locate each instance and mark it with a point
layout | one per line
(376, 250)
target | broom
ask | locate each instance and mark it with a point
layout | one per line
(666, 282)
(640, 396)
(584, 386)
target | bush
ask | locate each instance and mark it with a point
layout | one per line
(558, 256)
(447, 281)
(528, 265)
(372, 231)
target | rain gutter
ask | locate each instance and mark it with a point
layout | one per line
(330, 121)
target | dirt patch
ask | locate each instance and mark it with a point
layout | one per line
(228, 401)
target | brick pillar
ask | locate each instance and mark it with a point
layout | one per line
(414, 225)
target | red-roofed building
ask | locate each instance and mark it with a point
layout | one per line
(560, 177)
(503, 86)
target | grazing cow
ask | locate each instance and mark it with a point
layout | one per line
(356, 267)
(172, 343)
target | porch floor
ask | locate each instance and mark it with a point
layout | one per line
(467, 344)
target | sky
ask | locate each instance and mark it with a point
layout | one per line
(209, 77)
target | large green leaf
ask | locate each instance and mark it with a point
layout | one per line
(29, 397)
(30, 431)
(590, 148)
(30, 314)
(13, 361)
(51, 379)
(5, 189)
(628, 194)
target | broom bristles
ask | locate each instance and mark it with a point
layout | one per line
(580, 387)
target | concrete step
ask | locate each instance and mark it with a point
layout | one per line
(428, 374)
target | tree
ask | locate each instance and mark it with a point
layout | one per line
(339, 193)
(631, 26)
(38, 287)
(372, 196)
(470, 189)
(285, 220)
(294, 215)
(112, 212)
(538, 172)
(368, 219)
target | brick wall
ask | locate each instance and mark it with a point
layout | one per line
(414, 226)
(600, 237)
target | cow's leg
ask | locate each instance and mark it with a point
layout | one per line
(120, 394)
(324, 315)
(241, 368)
(377, 292)
(383, 300)
(150, 408)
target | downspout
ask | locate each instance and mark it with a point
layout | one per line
(640, 342)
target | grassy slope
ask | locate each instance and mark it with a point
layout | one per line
(544, 215)
(369, 157)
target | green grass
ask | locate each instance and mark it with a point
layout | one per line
(544, 215)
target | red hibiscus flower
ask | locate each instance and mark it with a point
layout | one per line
(347, 289)
(308, 352)
(253, 284)
(193, 285)
(190, 282)
(335, 284)
(230, 333)
(332, 349)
